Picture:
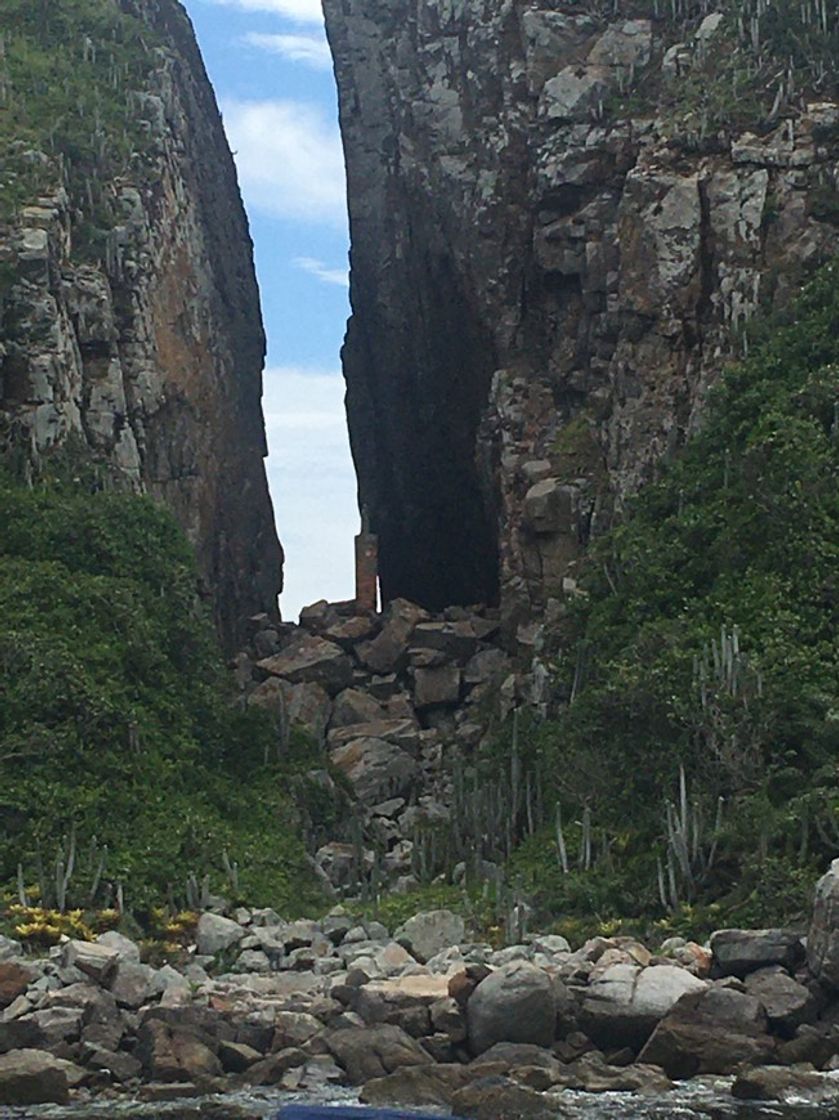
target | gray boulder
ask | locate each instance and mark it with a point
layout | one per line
(32, 1077)
(216, 934)
(737, 952)
(823, 938)
(431, 932)
(514, 1004)
(126, 949)
(370, 1052)
(94, 960)
(788, 1004)
(311, 660)
(376, 769)
(623, 1006)
(710, 1032)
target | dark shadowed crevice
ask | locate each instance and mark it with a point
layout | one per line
(418, 377)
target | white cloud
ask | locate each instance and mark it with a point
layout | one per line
(290, 159)
(313, 484)
(311, 50)
(303, 11)
(322, 272)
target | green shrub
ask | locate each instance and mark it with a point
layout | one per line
(117, 718)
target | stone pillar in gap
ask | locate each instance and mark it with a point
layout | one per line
(366, 567)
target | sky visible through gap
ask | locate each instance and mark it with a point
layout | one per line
(270, 65)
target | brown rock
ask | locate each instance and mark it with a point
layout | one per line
(311, 660)
(371, 1052)
(14, 980)
(417, 1086)
(32, 1077)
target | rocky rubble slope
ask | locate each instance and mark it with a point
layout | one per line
(563, 216)
(397, 703)
(130, 328)
(421, 1017)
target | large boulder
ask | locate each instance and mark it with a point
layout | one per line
(371, 1052)
(170, 1054)
(624, 1004)
(375, 769)
(514, 1004)
(714, 1031)
(14, 980)
(405, 1001)
(788, 1004)
(126, 949)
(312, 660)
(93, 959)
(134, 984)
(737, 952)
(216, 934)
(823, 938)
(417, 1086)
(431, 932)
(32, 1077)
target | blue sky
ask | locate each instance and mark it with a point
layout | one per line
(269, 63)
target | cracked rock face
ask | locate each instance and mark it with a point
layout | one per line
(544, 283)
(149, 361)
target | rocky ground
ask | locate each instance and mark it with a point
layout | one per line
(423, 1017)
(396, 699)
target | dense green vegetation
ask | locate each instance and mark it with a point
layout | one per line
(766, 57)
(117, 719)
(702, 668)
(69, 108)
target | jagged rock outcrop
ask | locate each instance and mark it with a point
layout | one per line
(139, 345)
(553, 256)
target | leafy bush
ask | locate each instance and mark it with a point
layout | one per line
(705, 665)
(117, 717)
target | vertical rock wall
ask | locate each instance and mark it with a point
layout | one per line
(148, 361)
(548, 270)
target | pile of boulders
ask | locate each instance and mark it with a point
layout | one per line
(423, 1016)
(391, 696)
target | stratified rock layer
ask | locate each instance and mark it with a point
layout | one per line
(149, 361)
(545, 279)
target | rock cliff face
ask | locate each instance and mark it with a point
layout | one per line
(134, 339)
(556, 246)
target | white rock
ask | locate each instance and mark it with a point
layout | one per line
(216, 934)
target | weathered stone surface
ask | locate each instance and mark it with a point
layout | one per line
(774, 1083)
(738, 952)
(500, 1098)
(352, 706)
(134, 984)
(417, 1086)
(788, 1004)
(431, 932)
(823, 938)
(539, 277)
(94, 960)
(372, 1052)
(710, 1032)
(171, 1054)
(126, 949)
(311, 660)
(215, 934)
(514, 1004)
(149, 360)
(32, 1077)
(624, 1004)
(14, 980)
(440, 686)
(376, 769)
(404, 1002)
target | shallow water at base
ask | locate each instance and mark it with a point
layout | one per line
(701, 1100)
